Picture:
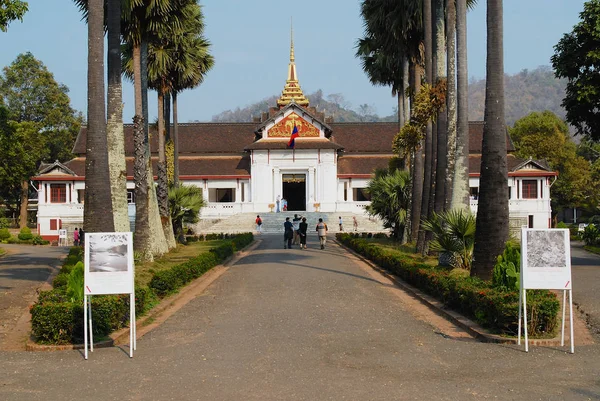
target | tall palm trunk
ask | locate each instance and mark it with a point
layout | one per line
(492, 214)
(140, 172)
(429, 160)
(158, 242)
(114, 127)
(417, 184)
(450, 99)
(162, 191)
(175, 142)
(97, 213)
(440, 49)
(460, 191)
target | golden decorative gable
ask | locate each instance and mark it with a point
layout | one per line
(283, 129)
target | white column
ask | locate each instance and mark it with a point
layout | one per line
(238, 195)
(277, 184)
(311, 187)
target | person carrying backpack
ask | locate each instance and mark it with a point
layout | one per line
(288, 233)
(258, 222)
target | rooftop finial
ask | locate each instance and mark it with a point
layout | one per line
(292, 59)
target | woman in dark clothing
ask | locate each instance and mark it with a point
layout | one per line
(302, 232)
(288, 233)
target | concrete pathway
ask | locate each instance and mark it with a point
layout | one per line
(22, 272)
(302, 325)
(585, 269)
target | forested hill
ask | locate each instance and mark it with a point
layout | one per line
(527, 91)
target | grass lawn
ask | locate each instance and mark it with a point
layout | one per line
(2, 251)
(593, 249)
(144, 271)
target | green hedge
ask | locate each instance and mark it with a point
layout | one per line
(55, 319)
(493, 308)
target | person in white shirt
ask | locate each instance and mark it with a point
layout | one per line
(322, 232)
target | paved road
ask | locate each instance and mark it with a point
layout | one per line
(301, 325)
(585, 269)
(22, 271)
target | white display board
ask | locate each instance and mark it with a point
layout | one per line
(108, 263)
(545, 265)
(108, 269)
(546, 259)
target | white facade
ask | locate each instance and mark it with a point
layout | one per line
(309, 175)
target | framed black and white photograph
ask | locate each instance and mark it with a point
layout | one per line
(108, 252)
(545, 259)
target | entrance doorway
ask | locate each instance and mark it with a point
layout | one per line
(294, 191)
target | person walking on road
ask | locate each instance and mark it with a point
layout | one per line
(296, 224)
(303, 228)
(322, 232)
(76, 237)
(258, 222)
(355, 223)
(341, 223)
(288, 233)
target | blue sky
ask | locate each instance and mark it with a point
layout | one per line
(250, 43)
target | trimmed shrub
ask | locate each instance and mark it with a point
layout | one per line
(4, 234)
(25, 234)
(494, 308)
(57, 318)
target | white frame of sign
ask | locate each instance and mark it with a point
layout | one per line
(545, 264)
(109, 269)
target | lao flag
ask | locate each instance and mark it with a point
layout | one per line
(295, 135)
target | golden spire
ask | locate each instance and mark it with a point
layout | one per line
(292, 90)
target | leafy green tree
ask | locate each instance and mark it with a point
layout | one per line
(576, 58)
(40, 108)
(546, 136)
(11, 10)
(492, 210)
(390, 199)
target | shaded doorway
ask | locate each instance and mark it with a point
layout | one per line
(294, 191)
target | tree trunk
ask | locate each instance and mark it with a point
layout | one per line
(162, 191)
(417, 184)
(158, 242)
(440, 49)
(114, 127)
(428, 163)
(460, 191)
(175, 142)
(24, 204)
(140, 170)
(450, 100)
(492, 214)
(97, 212)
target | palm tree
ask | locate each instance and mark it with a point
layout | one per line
(114, 126)
(390, 199)
(395, 29)
(450, 99)
(185, 202)
(97, 216)
(460, 188)
(492, 212)
(440, 74)
(193, 62)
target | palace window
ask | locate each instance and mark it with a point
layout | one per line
(474, 193)
(131, 196)
(530, 189)
(58, 193)
(221, 195)
(361, 194)
(81, 195)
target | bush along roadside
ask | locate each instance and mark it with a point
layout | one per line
(57, 316)
(494, 308)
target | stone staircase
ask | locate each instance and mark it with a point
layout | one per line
(273, 223)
